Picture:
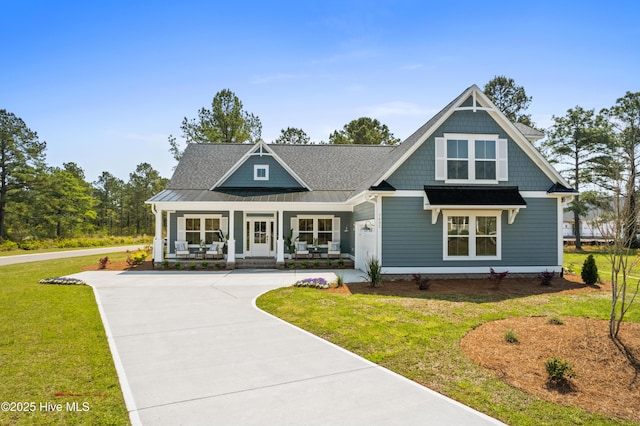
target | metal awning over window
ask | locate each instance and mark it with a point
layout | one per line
(441, 197)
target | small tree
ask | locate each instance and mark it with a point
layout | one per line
(589, 272)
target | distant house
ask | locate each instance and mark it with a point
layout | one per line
(467, 191)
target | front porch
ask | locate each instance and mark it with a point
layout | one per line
(242, 236)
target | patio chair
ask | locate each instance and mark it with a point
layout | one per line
(333, 249)
(214, 250)
(302, 249)
(182, 249)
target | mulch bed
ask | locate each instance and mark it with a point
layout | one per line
(605, 383)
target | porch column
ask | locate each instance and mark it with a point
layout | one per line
(280, 241)
(158, 244)
(231, 242)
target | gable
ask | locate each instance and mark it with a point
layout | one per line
(480, 114)
(419, 168)
(245, 176)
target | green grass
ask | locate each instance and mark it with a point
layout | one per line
(419, 338)
(52, 342)
(573, 260)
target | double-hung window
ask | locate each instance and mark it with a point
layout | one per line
(472, 236)
(196, 229)
(464, 158)
(316, 229)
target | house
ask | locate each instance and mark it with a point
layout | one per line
(466, 192)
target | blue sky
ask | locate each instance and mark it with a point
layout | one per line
(105, 82)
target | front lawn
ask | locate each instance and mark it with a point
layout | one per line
(53, 349)
(419, 337)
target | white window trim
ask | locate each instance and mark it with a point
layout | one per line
(335, 226)
(442, 158)
(183, 230)
(472, 214)
(257, 167)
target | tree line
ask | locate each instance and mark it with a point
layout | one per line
(38, 201)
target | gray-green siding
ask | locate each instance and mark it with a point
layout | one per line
(243, 176)
(410, 240)
(419, 169)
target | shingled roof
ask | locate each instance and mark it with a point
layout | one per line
(322, 167)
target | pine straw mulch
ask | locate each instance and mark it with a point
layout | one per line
(119, 265)
(605, 382)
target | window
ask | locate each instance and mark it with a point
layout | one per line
(485, 153)
(261, 172)
(320, 229)
(472, 236)
(305, 230)
(471, 158)
(324, 231)
(195, 229)
(457, 159)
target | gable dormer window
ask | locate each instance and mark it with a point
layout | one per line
(468, 158)
(261, 172)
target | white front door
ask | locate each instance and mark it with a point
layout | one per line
(260, 238)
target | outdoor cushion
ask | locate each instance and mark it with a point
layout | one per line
(213, 247)
(334, 246)
(181, 246)
(302, 246)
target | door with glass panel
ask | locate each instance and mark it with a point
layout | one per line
(260, 237)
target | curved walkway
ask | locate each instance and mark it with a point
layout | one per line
(192, 348)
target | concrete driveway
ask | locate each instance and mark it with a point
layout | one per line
(191, 348)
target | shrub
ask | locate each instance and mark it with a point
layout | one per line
(102, 263)
(510, 336)
(497, 277)
(178, 266)
(204, 264)
(136, 258)
(422, 282)
(373, 272)
(304, 264)
(165, 264)
(312, 283)
(218, 265)
(558, 370)
(340, 263)
(316, 263)
(30, 244)
(556, 321)
(192, 266)
(329, 263)
(546, 277)
(8, 246)
(589, 272)
(292, 264)
(339, 281)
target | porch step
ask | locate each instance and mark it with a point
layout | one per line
(256, 263)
